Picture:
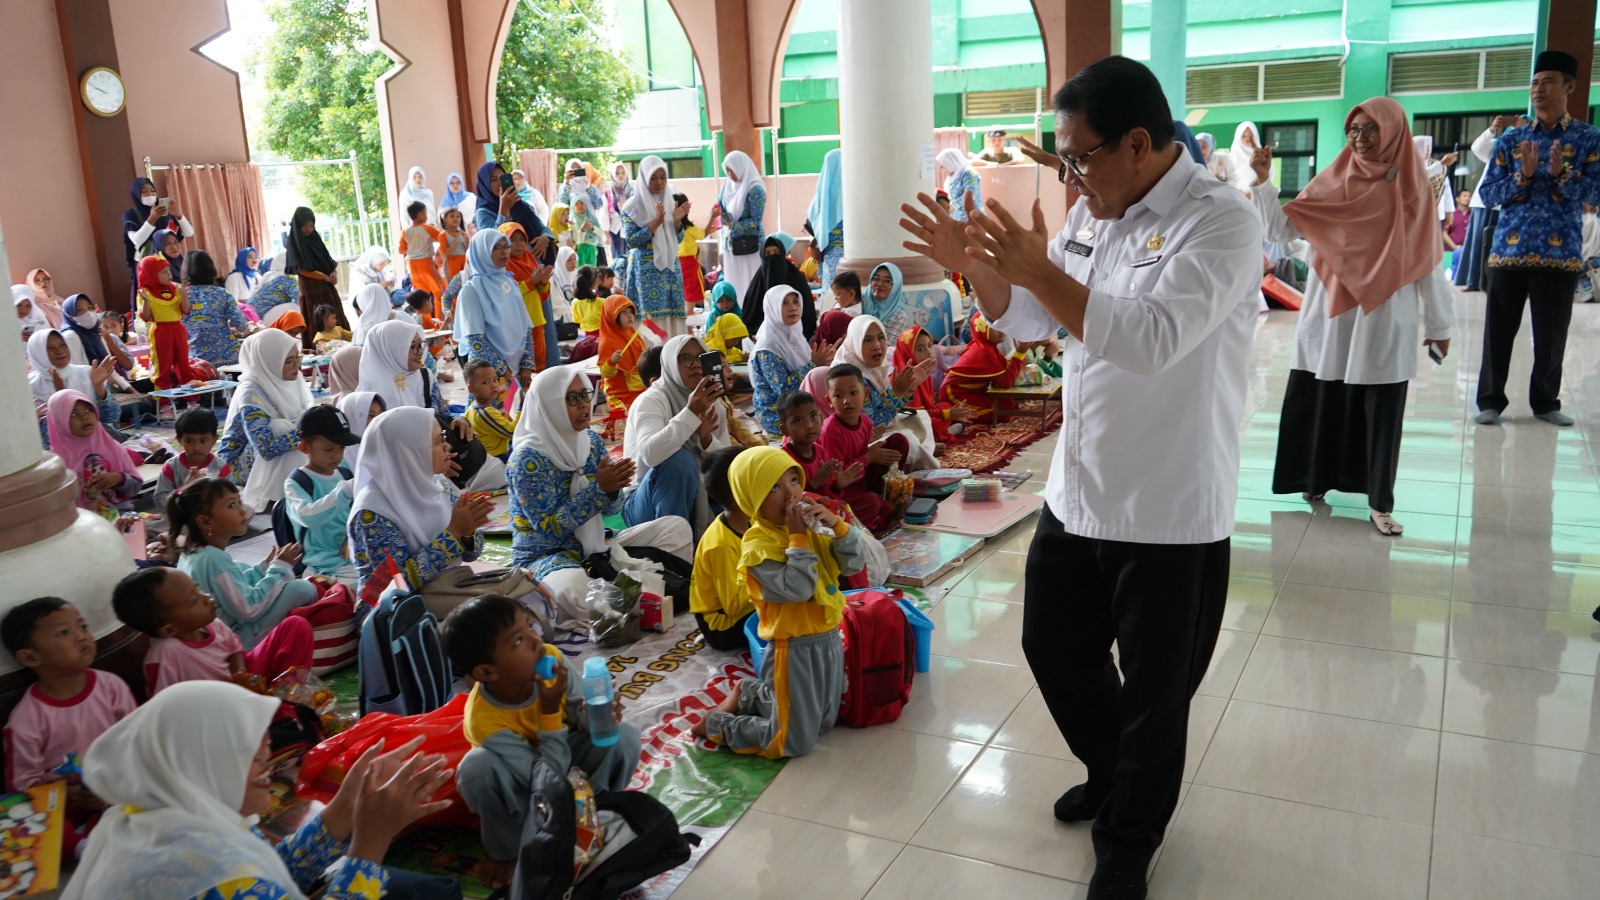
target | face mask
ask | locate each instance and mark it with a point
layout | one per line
(148, 199)
(89, 320)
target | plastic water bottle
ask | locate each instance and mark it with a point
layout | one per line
(597, 696)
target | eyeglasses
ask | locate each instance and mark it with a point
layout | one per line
(1075, 163)
(416, 347)
(580, 398)
(688, 359)
(1368, 131)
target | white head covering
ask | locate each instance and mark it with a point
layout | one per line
(39, 380)
(35, 319)
(544, 426)
(366, 264)
(788, 341)
(566, 280)
(373, 309)
(182, 760)
(641, 208)
(395, 476)
(262, 356)
(850, 351)
(410, 193)
(734, 192)
(357, 408)
(385, 365)
(955, 162)
(1241, 154)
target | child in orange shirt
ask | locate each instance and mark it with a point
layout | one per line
(620, 348)
(163, 305)
(453, 244)
(416, 245)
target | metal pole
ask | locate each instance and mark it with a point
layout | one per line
(777, 171)
(361, 203)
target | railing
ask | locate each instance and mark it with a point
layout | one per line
(351, 238)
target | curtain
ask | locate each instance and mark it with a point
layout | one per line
(539, 167)
(225, 205)
(944, 139)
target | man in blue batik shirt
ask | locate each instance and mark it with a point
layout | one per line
(1540, 176)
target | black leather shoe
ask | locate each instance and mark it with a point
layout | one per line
(1116, 884)
(1078, 805)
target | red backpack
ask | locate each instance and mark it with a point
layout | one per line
(879, 658)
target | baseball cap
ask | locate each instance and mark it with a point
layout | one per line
(329, 422)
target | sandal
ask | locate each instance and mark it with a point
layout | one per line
(1386, 524)
(1313, 498)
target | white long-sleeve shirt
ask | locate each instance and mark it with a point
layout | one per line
(1358, 347)
(656, 431)
(1482, 148)
(1153, 394)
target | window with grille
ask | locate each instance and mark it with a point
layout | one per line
(1295, 153)
(1303, 79)
(991, 104)
(1495, 69)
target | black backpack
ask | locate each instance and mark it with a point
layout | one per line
(649, 845)
(284, 531)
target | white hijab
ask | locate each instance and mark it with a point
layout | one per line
(182, 760)
(544, 426)
(366, 265)
(734, 192)
(641, 208)
(850, 351)
(410, 193)
(395, 476)
(1240, 154)
(385, 365)
(39, 381)
(262, 356)
(955, 162)
(34, 320)
(374, 310)
(357, 409)
(564, 279)
(788, 341)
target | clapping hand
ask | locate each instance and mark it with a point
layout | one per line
(1558, 159)
(1530, 158)
(391, 792)
(850, 475)
(612, 477)
(961, 412)
(470, 512)
(539, 246)
(101, 373)
(822, 352)
(880, 455)
(903, 381)
(825, 472)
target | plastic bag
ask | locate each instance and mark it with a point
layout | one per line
(324, 767)
(613, 611)
(652, 580)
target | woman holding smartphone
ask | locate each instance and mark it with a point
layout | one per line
(671, 428)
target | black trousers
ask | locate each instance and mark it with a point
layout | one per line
(1549, 293)
(1162, 604)
(732, 639)
(1334, 436)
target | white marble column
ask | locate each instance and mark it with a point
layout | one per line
(48, 547)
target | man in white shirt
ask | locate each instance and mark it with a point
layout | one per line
(1156, 277)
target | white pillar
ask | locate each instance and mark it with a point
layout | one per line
(81, 557)
(885, 119)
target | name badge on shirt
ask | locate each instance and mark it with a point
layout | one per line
(1080, 249)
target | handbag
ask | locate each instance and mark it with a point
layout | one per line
(460, 583)
(744, 244)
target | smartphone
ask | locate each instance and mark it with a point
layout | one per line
(164, 201)
(711, 366)
(505, 181)
(1435, 355)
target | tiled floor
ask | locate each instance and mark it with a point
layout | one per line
(1410, 719)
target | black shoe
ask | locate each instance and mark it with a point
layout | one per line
(1077, 805)
(1116, 884)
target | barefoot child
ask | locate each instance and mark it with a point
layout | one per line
(489, 423)
(197, 434)
(514, 717)
(718, 596)
(793, 576)
(847, 437)
(190, 643)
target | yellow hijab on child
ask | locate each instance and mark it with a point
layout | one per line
(752, 477)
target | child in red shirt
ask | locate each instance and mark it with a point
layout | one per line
(847, 437)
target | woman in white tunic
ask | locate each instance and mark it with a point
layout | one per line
(1375, 254)
(1246, 141)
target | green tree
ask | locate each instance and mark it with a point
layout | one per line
(319, 67)
(561, 82)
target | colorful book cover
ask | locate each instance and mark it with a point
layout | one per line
(31, 826)
(918, 557)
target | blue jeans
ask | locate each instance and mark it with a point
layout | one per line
(668, 489)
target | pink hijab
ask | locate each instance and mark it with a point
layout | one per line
(73, 450)
(1372, 223)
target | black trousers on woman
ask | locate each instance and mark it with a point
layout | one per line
(1162, 604)
(1334, 436)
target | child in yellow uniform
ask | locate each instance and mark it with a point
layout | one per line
(489, 423)
(514, 717)
(718, 596)
(793, 575)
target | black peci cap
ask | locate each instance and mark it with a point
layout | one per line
(1556, 61)
(329, 422)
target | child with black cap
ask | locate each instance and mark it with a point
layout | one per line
(319, 494)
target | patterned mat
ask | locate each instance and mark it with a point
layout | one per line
(993, 447)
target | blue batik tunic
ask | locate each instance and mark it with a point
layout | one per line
(308, 853)
(881, 406)
(773, 378)
(658, 294)
(212, 313)
(832, 253)
(251, 433)
(544, 518)
(373, 537)
(275, 291)
(478, 347)
(1541, 218)
(755, 207)
(965, 183)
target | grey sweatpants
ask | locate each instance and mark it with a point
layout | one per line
(495, 779)
(796, 700)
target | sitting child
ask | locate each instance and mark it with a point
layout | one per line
(329, 331)
(986, 362)
(197, 434)
(847, 437)
(800, 423)
(319, 494)
(948, 419)
(489, 422)
(188, 643)
(252, 600)
(514, 717)
(65, 710)
(620, 347)
(108, 479)
(718, 596)
(725, 329)
(793, 576)
(847, 292)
